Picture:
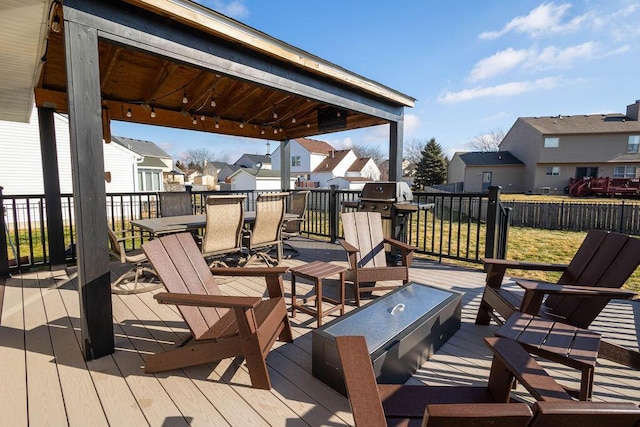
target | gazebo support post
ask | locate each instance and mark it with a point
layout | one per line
(53, 202)
(285, 164)
(87, 161)
(396, 130)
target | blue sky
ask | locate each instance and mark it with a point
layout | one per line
(473, 66)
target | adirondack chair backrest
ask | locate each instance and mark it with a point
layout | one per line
(225, 222)
(181, 267)
(363, 230)
(604, 259)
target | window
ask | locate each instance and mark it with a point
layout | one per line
(624, 172)
(551, 142)
(148, 180)
(634, 142)
(553, 170)
(295, 160)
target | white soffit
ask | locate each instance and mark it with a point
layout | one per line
(22, 40)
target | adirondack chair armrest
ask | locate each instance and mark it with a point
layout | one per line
(522, 265)
(400, 245)
(510, 355)
(200, 300)
(535, 291)
(613, 411)
(348, 247)
(248, 272)
(518, 414)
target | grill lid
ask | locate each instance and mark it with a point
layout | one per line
(389, 191)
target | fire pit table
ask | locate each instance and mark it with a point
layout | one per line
(402, 328)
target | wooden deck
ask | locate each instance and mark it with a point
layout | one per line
(45, 381)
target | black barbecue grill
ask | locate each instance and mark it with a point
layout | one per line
(394, 202)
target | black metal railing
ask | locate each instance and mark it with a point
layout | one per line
(462, 226)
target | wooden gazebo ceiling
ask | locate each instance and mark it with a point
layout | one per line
(142, 84)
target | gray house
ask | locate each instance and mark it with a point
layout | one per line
(555, 149)
(480, 170)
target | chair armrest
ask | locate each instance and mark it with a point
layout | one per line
(201, 300)
(583, 291)
(535, 291)
(248, 272)
(523, 265)
(400, 245)
(510, 355)
(463, 413)
(348, 247)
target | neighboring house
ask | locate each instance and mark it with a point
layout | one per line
(480, 170)
(306, 155)
(556, 149)
(190, 175)
(364, 167)
(153, 164)
(256, 179)
(252, 160)
(336, 164)
(553, 150)
(213, 169)
(226, 171)
(133, 165)
(408, 170)
(348, 182)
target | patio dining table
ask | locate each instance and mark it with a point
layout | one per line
(180, 223)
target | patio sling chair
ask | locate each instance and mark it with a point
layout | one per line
(433, 406)
(602, 264)
(291, 227)
(175, 203)
(266, 231)
(223, 230)
(364, 244)
(221, 326)
(129, 282)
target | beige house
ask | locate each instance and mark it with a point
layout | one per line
(558, 148)
(480, 170)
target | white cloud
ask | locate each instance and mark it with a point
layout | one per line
(553, 57)
(234, 9)
(498, 63)
(411, 124)
(546, 19)
(506, 89)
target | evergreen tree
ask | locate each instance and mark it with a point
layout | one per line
(432, 167)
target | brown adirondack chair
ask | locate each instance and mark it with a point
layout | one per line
(221, 326)
(364, 243)
(391, 404)
(600, 267)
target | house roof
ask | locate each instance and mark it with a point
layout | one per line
(583, 124)
(260, 173)
(315, 146)
(330, 162)
(359, 164)
(255, 158)
(152, 162)
(141, 147)
(493, 158)
(352, 178)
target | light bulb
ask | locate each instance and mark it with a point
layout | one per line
(194, 120)
(217, 126)
(261, 131)
(213, 102)
(153, 112)
(308, 125)
(279, 129)
(185, 100)
(275, 131)
(202, 117)
(275, 115)
(241, 125)
(293, 120)
(129, 112)
(339, 114)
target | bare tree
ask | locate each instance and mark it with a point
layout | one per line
(372, 151)
(413, 154)
(488, 141)
(198, 158)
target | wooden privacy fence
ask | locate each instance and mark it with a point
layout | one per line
(622, 217)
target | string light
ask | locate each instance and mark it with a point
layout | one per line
(241, 125)
(275, 131)
(213, 103)
(153, 112)
(217, 125)
(185, 100)
(293, 120)
(194, 120)
(202, 117)
(308, 125)
(129, 112)
(275, 115)
(262, 131)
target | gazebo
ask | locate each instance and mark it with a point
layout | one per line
(167, 63)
